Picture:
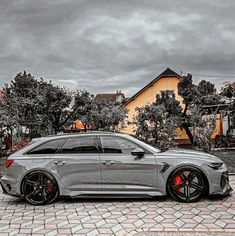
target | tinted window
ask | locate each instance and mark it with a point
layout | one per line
(80, 145)
(117, 145)
(50, 147)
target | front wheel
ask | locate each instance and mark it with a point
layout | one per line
(40, 188)
(186, 184)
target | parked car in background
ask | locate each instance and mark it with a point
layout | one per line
(110, 164)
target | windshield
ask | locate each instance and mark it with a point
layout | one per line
(147, 145)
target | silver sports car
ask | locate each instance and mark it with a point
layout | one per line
(110, 164)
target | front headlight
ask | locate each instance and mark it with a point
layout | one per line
(217, 165)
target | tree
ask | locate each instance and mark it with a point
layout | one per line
(155, 125)
(55, 106)
(195, 95)
(38, 105)
(203, 126)
(107, 116)
(44, 108)
(228, 91)
(98, 114)
(168, 100)
(21, 101)
(84, 106)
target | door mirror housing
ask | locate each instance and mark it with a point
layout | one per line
(138, 152)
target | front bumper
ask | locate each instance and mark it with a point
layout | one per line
(224, 186)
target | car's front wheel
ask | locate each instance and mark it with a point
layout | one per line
(40, 188)
(186, 184)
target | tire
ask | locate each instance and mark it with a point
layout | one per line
(39, 188)
(186, 184)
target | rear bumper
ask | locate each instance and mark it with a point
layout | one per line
(3, 189)
(9, 187)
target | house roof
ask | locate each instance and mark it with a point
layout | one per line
(110, 97)
(167, 73)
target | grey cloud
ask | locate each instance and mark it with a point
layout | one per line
(107, 45)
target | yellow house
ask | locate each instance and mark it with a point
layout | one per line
(167, 80)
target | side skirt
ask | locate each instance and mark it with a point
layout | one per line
(114, 194)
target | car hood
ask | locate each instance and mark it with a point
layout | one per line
(184, 153)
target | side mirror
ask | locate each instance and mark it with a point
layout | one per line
(138, 152)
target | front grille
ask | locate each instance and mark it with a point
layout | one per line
(224, 179)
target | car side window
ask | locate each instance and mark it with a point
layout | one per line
(80, 145)
(50, 147)
(117, 145)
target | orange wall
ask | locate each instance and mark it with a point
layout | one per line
(148, 96)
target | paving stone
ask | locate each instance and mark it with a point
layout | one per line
(159, 218)
(178, 223)
(121, 219)
(178, 214)
(160, 211)
(116, 217)
(195, 211)
(198, 219)
(116, 228)
(220, 223)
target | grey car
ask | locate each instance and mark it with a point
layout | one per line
(103, 164)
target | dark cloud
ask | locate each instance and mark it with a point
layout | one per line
(107, 45)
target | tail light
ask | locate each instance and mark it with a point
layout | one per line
(8, 163)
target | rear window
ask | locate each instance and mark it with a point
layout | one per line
(49, 147)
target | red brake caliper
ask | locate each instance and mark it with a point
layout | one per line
(177, 181)
(49, 186)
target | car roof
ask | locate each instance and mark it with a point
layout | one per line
(66, 135)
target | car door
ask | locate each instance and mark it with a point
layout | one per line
(121, 171)
(78, 164)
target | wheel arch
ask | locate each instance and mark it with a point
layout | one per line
(39, 170)
(204, 175)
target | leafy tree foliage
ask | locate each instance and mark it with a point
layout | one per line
(107, 116)
(203, 126)
(195, 95)
(157, 122)
(168, 100)
(39, 106)
(228, 91)
(154, 126)
(44, 108)
(55, 104)
(99, 115)
(20, 101)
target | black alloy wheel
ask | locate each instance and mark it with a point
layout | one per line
(40, 188)
(186, 184)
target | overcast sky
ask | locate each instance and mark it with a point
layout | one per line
(107, 45)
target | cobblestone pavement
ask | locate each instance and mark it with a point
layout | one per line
(116, 217)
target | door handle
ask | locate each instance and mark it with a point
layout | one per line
(60, 163)
(108, 163)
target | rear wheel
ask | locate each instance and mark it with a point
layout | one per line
(40, 188)
(186, 184)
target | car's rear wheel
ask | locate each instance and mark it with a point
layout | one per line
(40, 188)
(186, 184)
